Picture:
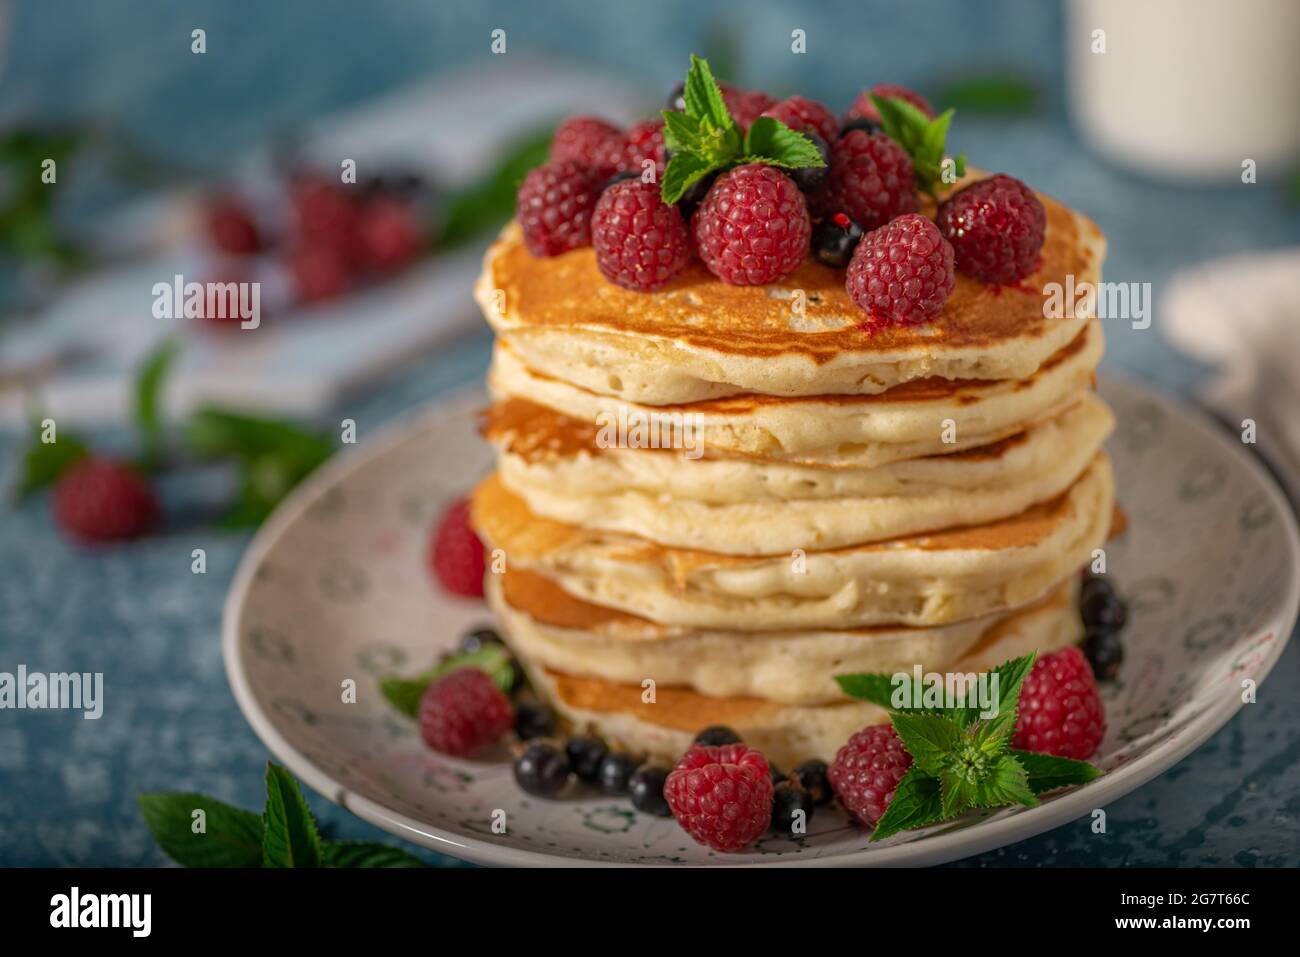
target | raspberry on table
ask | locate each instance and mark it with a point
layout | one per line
(800, 114)
(103, 500)
(554, 207)
(1060, 711)
(902, 272)
(721, 795)
(996, 228)
(389, 233)
(863, 106)
(456, 554)
(867, 769)
(582, 139)
(753, 226)
(871, 180)
(641, 242)
(231, 226)
(463, 712)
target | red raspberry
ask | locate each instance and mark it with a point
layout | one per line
(456, 553)
(320, 270)
(231, 227)
(464, 712)
(581, 139)
(1060, 711)
(866, 771)
(554, 207)
(101, 500)
(641, 242)
(389, 234)
(722, 796)
(325, 214)
(800, 113)
(745, 106)
(902, 272)
(871, 179)
(752, 227)
(863, 106)
(996, 228)
(641, 141)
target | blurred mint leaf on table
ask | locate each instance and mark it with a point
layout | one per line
(27, 228)
(488, 203)
(285, 835)
(44, 462)
(995, 93)
(146, 405)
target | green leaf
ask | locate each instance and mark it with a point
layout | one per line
(148, 391)
(682, 172)
(1000, 93)
(681, 132)
(771, 141)
(916, 803)
(1006, 783)
(1011, 678)
(703, 98)
(490, 201)
(44, 462)
(929, 738)
(232, 837)
(921, 137)
(405, 693)
(956, 792)
(1047, 772)
(291, 838)
(367, 854)
(876, 688)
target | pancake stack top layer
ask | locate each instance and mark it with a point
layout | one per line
(708, 488)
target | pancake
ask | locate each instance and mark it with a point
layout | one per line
(786, 734)
(699, 338)
(933, 579)
(847, 431)
(561, 633)
(745, 507)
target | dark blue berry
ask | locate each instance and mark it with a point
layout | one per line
(777, 774)
(787, 800)
(1105, 652)
(542, 770)
(534, 721)
(586, 755)
(647, 790)
(616, 772)
(860, 123)
(476, 639)
(810, 178)
(618, 178)
(834, 239)
(812, 776)
(1100, 607)
(716, 735)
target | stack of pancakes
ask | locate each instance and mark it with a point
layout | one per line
(865, 500)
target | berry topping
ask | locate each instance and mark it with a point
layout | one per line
(616, 772)
(463, 712)
(534, 721)
(834, 239)
(586, 756)
(745, 106)
(806, 116)
(586, 140)
(101, 500)
(902, 272)
(717, 735)
(646, 790)
(871, 179)
(542, 770)
(1060, 711)
(811, 775)
(456, 553)
(863, 106)
(809, 179)
(721, 796)
(1105, 653)
(867, 769)
(996, 228)
(788, 801)
(641, 242)
(753, 226)
(554, 207)
(860, 123)
(642, 141)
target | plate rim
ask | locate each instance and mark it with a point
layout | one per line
(937, 849)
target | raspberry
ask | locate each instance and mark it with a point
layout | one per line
(641, 141)
(800, 113)
(745, 106)
(996, 228)
(231, 227)
(388, 233)
(456, 553)
(102, 500)
(863, 106)
(641, 242)
(1060, 711)
(866, 771)
(554, 207)
(753, 226)
(721, 796)
(902, 272)
(582, 139)
(463, 712)
(871, 179)
(325, 214)
(319, 271)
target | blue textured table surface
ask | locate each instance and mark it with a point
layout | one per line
(68, 786)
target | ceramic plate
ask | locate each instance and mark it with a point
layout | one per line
(335, 587)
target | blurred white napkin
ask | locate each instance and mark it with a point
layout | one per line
(1242, 314)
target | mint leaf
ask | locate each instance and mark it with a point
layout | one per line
(929, 738)
(921, 137)
(681, 132)
(148, 391)
(703, 97)
(956, 792)
(1011, 676)
(1002, 92)
(771, 141)
(1047, 772)
(876, 688)
(232, 836)
(1006, 783)
(291, 838)
(44, 462)
(684, 170)
(916, 803)
(367, 854)
(405, 693)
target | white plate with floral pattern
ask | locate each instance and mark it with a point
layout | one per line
(335, 587)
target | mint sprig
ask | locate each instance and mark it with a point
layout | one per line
(921, 137)
(961, 758)
(705, 139)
